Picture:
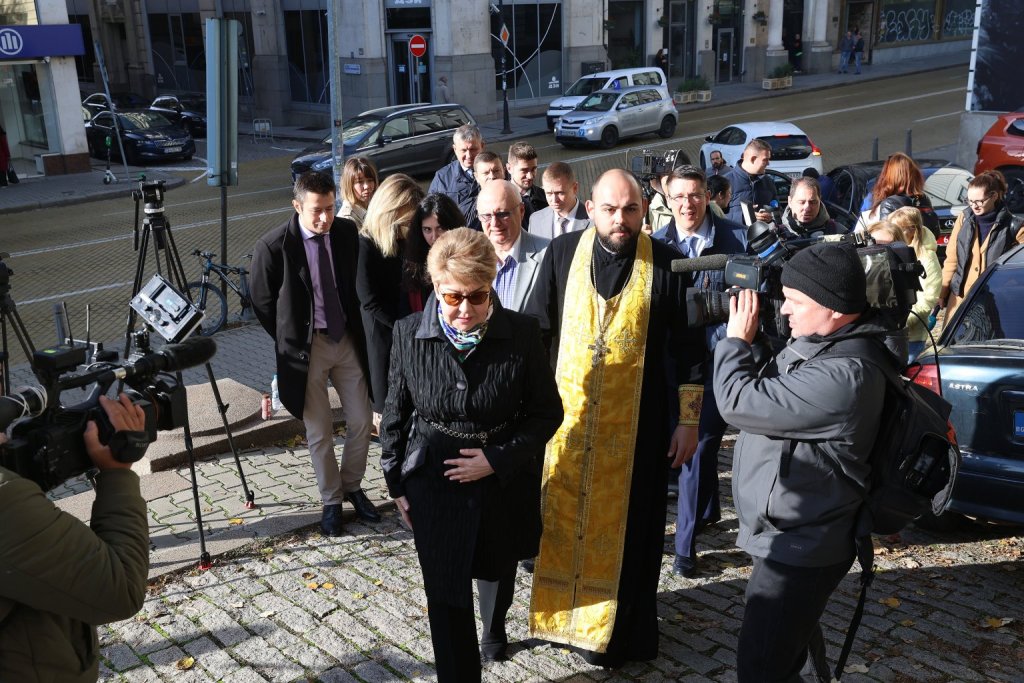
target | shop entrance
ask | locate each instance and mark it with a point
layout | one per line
(410, 76)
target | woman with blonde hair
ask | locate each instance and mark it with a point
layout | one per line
(379, 274)
(922, 241)
(472, 403)
(358, 183)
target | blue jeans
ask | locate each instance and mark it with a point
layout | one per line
(857, 57)
(844, 60)
(915, 348)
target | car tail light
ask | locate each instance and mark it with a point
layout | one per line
(925, 375)
(815, 150)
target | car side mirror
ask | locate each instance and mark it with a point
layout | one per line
(386, 139)
(709, 138)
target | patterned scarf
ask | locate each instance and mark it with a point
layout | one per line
(464, 342)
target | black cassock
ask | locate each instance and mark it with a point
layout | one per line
(674, 356)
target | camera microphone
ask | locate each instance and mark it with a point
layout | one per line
(171, 358)
(700, 263)
(27, 401)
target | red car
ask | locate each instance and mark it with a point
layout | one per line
(1002, 149)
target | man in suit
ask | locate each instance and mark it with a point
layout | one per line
(565, 212)
(304, 295)
(522, 169)
(500, 210)
(456, 179)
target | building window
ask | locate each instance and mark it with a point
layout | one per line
(308, 71)
(533, 58)
(626, 34)
(958, 18)
(84, 63)
(179, 55)
(902, 21)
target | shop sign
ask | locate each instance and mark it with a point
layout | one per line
(56, 40)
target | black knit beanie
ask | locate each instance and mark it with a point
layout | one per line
(831, 274)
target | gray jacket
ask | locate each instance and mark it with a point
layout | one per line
(805, 411)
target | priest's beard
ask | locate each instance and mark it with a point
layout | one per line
(618, 242)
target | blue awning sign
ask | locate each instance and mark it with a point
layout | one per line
(50, 40)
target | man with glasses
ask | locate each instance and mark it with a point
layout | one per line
(696, 231)
(304, 294)
(500, 211)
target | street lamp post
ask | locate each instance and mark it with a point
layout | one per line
(503, 34)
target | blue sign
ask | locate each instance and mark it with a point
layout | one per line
(54, 40)
(1018, 424)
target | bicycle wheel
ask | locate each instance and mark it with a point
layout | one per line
(212, 302)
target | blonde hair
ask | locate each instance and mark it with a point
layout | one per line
(895, 234)
(906, 219)
(464, 256)
(354, 166)
(390, 211)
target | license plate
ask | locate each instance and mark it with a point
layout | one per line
(1018, 423)
(581, 133)
(172, 150)
(795, 175)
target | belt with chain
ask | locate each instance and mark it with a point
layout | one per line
(481, 436)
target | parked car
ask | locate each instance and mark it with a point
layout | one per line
(945, 185)
(409, 138)
(792, 150)
(188, 111)
(603, 80)
(608, 115)
(97, 102)
(1002, 149)
(979, 369)
(146, 136)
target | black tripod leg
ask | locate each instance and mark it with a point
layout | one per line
(222, 408)
(205, 562)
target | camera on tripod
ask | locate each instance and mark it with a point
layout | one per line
(649, 165)
(151, 194)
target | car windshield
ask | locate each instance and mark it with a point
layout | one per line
(788, 147)
(585, 86)
(193, 103)
(141, 120)
(947, 187)
(993, 310)
(353, 130)
(598, 102)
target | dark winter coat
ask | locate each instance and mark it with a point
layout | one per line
(533, 201)
(805, 410)
(282, 298)
(474, 529)
(758, 190)
(382, 301)
(453, 181)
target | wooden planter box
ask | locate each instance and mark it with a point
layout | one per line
(777, 83)
(702, 96)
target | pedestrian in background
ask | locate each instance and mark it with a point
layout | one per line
(358, 183)
(858, 50)
(720, 190)
(980, 236)
(379, 275)
(845, 50)
(444, 95)
(435, 215)
(661, 60)
(472, 404)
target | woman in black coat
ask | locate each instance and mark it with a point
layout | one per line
(434, 216)
(472, 403)
(382, 300)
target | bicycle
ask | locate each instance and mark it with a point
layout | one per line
(209, 298)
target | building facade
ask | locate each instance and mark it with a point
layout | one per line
(157, 45)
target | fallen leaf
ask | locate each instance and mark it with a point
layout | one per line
(268, 614)
(678, 616)
(890, 602)
(235, 521)
(185, 663)
(308, 575)
(359, 596)
(907, 622)
(911, 564)
(378, 582)
(855, 669)
(312, 586)
(237, 605)
(995, 622)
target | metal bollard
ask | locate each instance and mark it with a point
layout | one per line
(910, 143)
(874, 150)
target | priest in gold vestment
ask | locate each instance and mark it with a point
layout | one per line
(608, 297)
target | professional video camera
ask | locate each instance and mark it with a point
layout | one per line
(46, 444)
(893, 278)
(648, 165)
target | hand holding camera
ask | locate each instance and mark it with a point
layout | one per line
(128, 420)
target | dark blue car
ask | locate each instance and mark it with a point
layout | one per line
(981, 373)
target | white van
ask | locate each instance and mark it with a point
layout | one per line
(604, 80)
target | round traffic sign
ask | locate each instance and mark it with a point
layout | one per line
(418, 45)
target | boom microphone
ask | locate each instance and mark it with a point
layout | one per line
(171, 358)
(700, 263)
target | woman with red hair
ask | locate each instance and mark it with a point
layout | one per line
(900, 183)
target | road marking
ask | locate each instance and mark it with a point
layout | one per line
(177, 228)
(938, 116)
(712, 118)
(208, 199)
(77, 292)
(839, 97)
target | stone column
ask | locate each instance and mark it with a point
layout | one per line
(776, 54)
(818, 59)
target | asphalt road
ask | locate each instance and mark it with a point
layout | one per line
(84, 254)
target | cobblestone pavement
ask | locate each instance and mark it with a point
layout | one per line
(301, 607)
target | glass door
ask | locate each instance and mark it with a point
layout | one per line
(410, 76)
(725, 55)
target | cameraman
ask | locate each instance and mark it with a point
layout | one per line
(696, 231)
(59, 577)
(809, 412)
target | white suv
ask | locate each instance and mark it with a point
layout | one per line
(792, 150)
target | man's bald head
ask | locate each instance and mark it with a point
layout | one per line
(495, 199)
(617, 208)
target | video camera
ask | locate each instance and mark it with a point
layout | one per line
(46, 445)
(649, 165)
(893, 278)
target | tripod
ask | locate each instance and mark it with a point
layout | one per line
(9, 311)
(155, 225)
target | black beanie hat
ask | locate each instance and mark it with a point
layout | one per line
(831, 274)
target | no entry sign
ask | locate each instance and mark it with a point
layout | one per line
(418, 45)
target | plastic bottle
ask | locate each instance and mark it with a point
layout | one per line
(275, 397)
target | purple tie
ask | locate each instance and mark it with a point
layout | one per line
(332, 301)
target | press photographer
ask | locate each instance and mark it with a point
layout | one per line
(61, 577)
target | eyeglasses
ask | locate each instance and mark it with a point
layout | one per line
(695, 198)
(496, 216)
(979, 202)
(476, 298)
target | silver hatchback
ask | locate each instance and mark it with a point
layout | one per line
(606, 116)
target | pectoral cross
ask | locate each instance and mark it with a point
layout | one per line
(600, 349)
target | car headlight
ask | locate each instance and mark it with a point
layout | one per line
(322, 165)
